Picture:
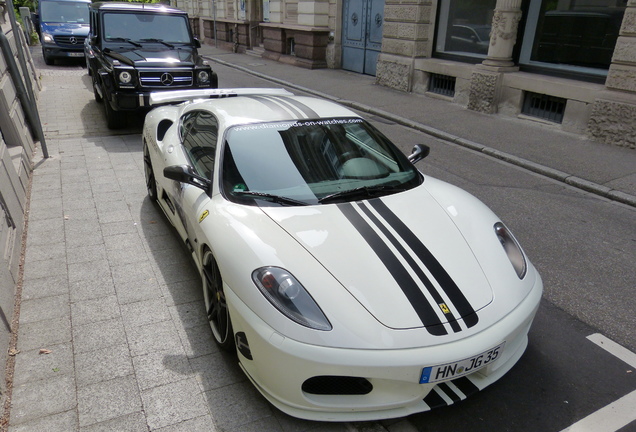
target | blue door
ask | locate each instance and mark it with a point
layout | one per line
(362, 35)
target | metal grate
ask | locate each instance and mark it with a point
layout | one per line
(163, 78)
(442, 85)
(545, 107)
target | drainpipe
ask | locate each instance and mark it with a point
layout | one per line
(25, 93)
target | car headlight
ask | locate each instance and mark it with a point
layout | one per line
(203, 77)
(290, 297)
(125, 77)
(46, 37)
(512, 248)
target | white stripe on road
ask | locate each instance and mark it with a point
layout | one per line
(617, 414)
(613, 348)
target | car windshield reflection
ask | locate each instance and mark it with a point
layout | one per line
(306, 161)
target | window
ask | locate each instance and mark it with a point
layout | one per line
(199, 134)
(572, 36)
(464, 28)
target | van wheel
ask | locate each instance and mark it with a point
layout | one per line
(114, 119)
(48, 60)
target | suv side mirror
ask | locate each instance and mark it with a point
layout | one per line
(196, 43)
(419, 152)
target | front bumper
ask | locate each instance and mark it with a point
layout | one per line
(54, 51)
(280, 366)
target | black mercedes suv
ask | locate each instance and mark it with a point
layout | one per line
(134, 49)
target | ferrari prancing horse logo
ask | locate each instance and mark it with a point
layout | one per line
(203, 216)
(444, 308)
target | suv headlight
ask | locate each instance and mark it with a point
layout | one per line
(290, 297)
(203, 77)
(125, 77)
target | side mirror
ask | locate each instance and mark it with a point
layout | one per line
(197, 43)
(419, 152)
(185, 174)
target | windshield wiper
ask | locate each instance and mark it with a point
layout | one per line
(271, 197)
(161, 41)
(121, 39)
(361, 192)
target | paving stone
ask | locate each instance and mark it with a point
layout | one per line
(61, 422)
(44, 308)
(108, 400)
(156, 336)
(173, 403)
(217, 370)
(237, 405)
(37, 399)
(44, 287)
(203, 423)
(130, 291)
(95, 310)
(144, 312)
(45, 333)
(134, 422)
(98, 335)
(103, 364)
(158, 368)
(35, 365)
(91, 289)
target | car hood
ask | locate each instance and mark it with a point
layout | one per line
(401, 256)
(67, 29)
(152, 56)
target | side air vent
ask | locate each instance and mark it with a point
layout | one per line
(442, 84)
(337, 385)
(545, 107)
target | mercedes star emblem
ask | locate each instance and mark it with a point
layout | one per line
(73, 40)
(166, 79)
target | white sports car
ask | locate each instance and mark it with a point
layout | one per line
(352, 286)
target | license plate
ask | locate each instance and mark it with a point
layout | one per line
(75, 54)
(450, 371)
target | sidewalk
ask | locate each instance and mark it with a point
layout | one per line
(605, 170)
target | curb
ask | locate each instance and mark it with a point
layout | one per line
(569, 179)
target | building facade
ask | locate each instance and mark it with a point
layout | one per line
(568, 63)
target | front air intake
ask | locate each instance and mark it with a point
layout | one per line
(337, 385)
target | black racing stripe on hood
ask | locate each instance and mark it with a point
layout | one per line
(404, 280)
(439, 300)
(449, 286)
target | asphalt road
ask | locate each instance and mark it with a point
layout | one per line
(572, 375)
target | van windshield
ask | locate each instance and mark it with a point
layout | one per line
(63, 12)
(146, 27)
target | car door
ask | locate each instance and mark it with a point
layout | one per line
(199, 132)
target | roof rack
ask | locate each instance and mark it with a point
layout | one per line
(178, 96)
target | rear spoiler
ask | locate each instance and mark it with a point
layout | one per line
(178, 96)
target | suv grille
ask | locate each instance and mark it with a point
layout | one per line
(70, 41)
(162, 79)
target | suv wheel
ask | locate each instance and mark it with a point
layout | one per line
(98, 98)
(114, 119)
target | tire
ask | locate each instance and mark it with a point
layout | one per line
(48, 60)
(216, 304)
(151, 183)
(114, 119)
(98, 98)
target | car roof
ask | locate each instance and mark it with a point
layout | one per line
(136, 7)
(269, 108)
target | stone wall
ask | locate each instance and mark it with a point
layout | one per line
(16, 152)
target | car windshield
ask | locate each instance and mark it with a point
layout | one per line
(64, 12)
(310, 162)
(145, 27)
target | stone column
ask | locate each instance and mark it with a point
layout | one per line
(613, 118)
(503, 34)
(486, 78)
(408, 26)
